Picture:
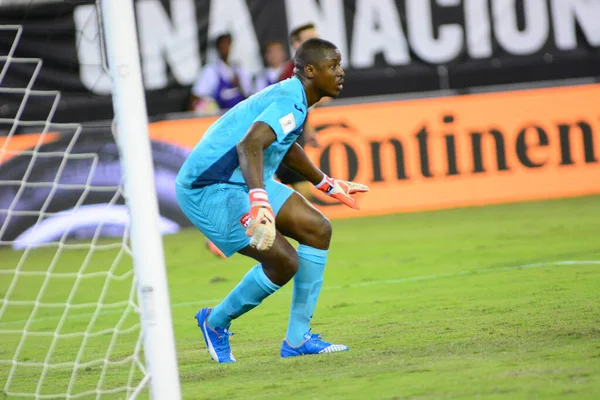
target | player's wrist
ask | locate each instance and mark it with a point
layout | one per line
(325, 177)
(258, 197)
(326, 184)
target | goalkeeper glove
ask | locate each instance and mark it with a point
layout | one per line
(341, 190)
(261, 227)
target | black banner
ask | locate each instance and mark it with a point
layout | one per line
(388, 46)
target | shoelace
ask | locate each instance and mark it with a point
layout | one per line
(314, 336)
(224, 336)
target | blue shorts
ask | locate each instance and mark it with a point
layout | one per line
(216, 211)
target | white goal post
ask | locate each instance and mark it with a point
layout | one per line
(79, 318)
(131, 118)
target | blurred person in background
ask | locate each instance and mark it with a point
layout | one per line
(298, 36)
(308, 137)
(220, 85)
(274, 57)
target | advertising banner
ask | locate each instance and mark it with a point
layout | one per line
(454, 151)
(415, 155)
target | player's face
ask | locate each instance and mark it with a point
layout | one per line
(329, 74)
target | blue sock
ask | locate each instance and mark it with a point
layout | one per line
(250, 292)
(307, 286)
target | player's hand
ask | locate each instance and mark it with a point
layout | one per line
(261, 227)
(341, 190)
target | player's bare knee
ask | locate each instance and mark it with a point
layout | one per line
(325, 231)
(319, 233)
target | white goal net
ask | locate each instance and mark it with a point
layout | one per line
(75, 322)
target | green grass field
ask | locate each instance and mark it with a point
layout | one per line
(498, 302)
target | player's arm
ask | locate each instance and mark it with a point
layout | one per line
(324, 100)
(274, 123)
(310, 133)
(250, 150)
(297, 160)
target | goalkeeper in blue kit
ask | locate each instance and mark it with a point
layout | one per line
(227, 190)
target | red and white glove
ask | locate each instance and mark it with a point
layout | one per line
(341, 190)
(261, 227)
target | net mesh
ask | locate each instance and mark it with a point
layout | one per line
(69, 322)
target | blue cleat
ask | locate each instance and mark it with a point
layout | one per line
(216, 339)
(311, 345)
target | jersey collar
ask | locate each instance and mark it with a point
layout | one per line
(299, 83)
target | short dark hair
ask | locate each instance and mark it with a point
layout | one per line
(311, 51)
(295, 33)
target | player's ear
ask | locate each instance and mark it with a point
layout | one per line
(309, 71)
